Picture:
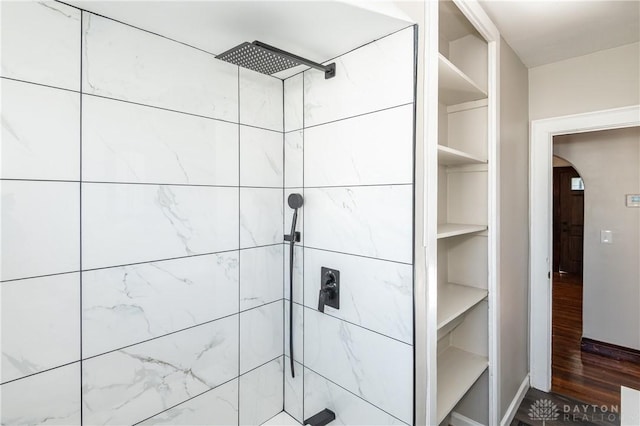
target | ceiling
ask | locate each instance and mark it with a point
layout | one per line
(539, 31)
(544, 31)
(316, 30)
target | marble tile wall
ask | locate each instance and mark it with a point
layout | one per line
(142, 222)
(349, 150)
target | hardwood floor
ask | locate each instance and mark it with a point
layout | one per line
(577, 377)
(586, 377)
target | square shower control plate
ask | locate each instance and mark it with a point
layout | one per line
(333, 298)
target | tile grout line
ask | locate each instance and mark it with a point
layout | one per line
(40, 372)
(239, 237)
(356, 325)
(203, 185)
(186, 400)
(284, 269)
(354, 49)
(124, 265)
(413, 223)
(80, 219)
(356, 395)
(221, 120)
(208, 390)
(93, 95)
(304, 230)
(141, 342)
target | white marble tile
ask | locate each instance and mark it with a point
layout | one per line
(320, 393)
(260, 276)
(298, 272)
(375, 294)
(41, 43)
(40, 228)
(124, 224)
(293, 159)
(293, 103)
(261, 157)
(50, 150)
(217, 407)
(372, 149)
(376, 76)
(288, 213)
(125, 63)
(260, 217)
(49, 398)
(373, 221)
(293, 394)
(124, 142)
(135, 383)
(40, 324)
(261, 393)
(260, 100)
(372, 366)
(298, 330)
(125, 305)
(261, 335)
(282, 419)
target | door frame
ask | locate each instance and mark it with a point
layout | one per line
(540, 223)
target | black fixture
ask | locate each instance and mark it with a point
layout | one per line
(269, 60)
(323, 418)
(295, 202)
(329, 289)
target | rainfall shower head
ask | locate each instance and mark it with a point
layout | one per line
(269, 60)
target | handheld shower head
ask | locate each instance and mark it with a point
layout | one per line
(295, 201)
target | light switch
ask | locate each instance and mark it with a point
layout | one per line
(606, 237)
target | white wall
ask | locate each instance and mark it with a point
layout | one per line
(602, 80)
(609, 163)
(142, 216)
(514, 218)
(358, 360)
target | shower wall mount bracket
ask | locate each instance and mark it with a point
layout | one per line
(296, 237)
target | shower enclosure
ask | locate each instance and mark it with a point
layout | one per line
(144, 204)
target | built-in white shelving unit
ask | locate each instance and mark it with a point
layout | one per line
(458, 370)
(463, 222)
(454, 86)
(454, 157)
(447, 230)
(456, 300)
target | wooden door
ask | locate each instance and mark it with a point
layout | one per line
(568, 221)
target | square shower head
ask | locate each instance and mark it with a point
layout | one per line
(269, 60)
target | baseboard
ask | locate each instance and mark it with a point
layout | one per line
(609, 350)
(458, 419)
(515, 402)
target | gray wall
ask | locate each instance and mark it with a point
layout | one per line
(513, 258)
(142, 217)
(601, 80)
(609, 163)
(349, 151)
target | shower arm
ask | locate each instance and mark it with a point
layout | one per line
(329, 70)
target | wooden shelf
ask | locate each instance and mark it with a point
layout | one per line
(454, 87)
(447, 230)
(454, 157)
(458, 370)
(455, 299)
